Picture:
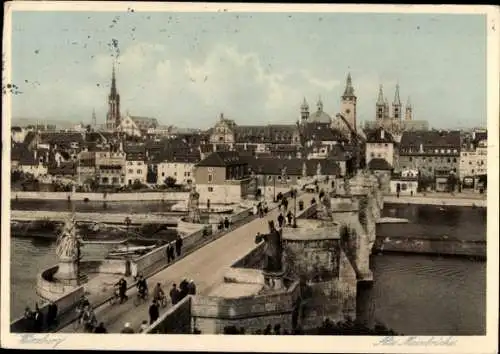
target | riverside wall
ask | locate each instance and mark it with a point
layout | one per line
(457, 248)
(103, 197)
(435, 200)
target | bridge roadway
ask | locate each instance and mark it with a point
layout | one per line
(206, 267)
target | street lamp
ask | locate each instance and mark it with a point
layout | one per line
(127, 263)
(294, 195)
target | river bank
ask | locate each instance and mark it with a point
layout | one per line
(438, 247)
(446, 200)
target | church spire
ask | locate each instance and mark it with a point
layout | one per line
(320, 104)
(349, 90)
(408, 103)
(304, 111)
(397, 100)
(113, 118)
(380, 99)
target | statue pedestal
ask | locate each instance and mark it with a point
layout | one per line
(274, 280)
(67, 272)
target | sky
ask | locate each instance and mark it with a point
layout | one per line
(186, 68)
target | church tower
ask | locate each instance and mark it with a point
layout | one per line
(387, 112)
(396, 105)
(304, 112)
(113, 117)
(348, 103)
(380, 105)
(409, 110)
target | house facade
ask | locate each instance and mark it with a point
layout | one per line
(223, 178)
(110, 168)
(380, 145)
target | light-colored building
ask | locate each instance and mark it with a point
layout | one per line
(380, 145)
(223, 178)
(180, 168)
(17, 134)
(135, 167)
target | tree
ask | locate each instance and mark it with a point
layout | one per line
(137, 185)
(170, 181)
(452, 182)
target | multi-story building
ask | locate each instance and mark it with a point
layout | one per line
(110, 167)
(223, 178)
(430, 151)
(17, 134)
(135, 167)
(380, 145)
(473, 158)
(179, 167)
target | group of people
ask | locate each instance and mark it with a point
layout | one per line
(36, 318)
(185, 288)
(173, 252)
(224, 224)
(281, 219)
(261, 209)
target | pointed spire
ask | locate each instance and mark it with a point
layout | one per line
(304, 105)
(408, 103)
(349, 90)
(380, 99)
(320, 104)
(113, 80)
(397, 100)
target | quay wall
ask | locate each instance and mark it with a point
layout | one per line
(103, 197)
(458, 248)
(65, 307)
(449, 201)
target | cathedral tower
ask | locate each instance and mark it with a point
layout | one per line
(304, 112)
(348, 103)
(409, 110)
(396, 105)
(380, 105)
(113, 117)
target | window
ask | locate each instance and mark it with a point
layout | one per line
(130, 171)
(210, 189)
(139, 172)
(279, 178)
(175, 174)
(269, 178)
(386, 145)
(404, 187)
(454, 159)
(372, 154)
(188, 174)
(411, 159)
(163, 174)
(298, 178)
(448, 160)
(210, 178)
(379, 155)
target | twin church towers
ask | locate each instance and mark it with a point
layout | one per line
(348, 109)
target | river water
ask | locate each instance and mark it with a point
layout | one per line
(412, 294)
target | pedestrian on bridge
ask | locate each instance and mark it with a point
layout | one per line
(178, 245)
(289, 217)
(127, 329)
(154, 312)
(100, 328)
(226, 223)
(174, 294)
(191, 287)
(281, 220)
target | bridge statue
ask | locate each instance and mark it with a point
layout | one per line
(194, 206)
(68, 251)
(273, 250)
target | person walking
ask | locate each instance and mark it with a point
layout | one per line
(100, 328)
(183, 288)
(178, 245)
(171, 252)
(289, 217)
(38, 320)
(191, 287)
(122, 290)
(144, 326)
(174, 294)
(127, 329)
(226, 223)
(281, 219)
(167, 253)
(154, 312)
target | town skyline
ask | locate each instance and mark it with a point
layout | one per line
(242, 65)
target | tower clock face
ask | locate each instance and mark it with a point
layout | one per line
(348, 111)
